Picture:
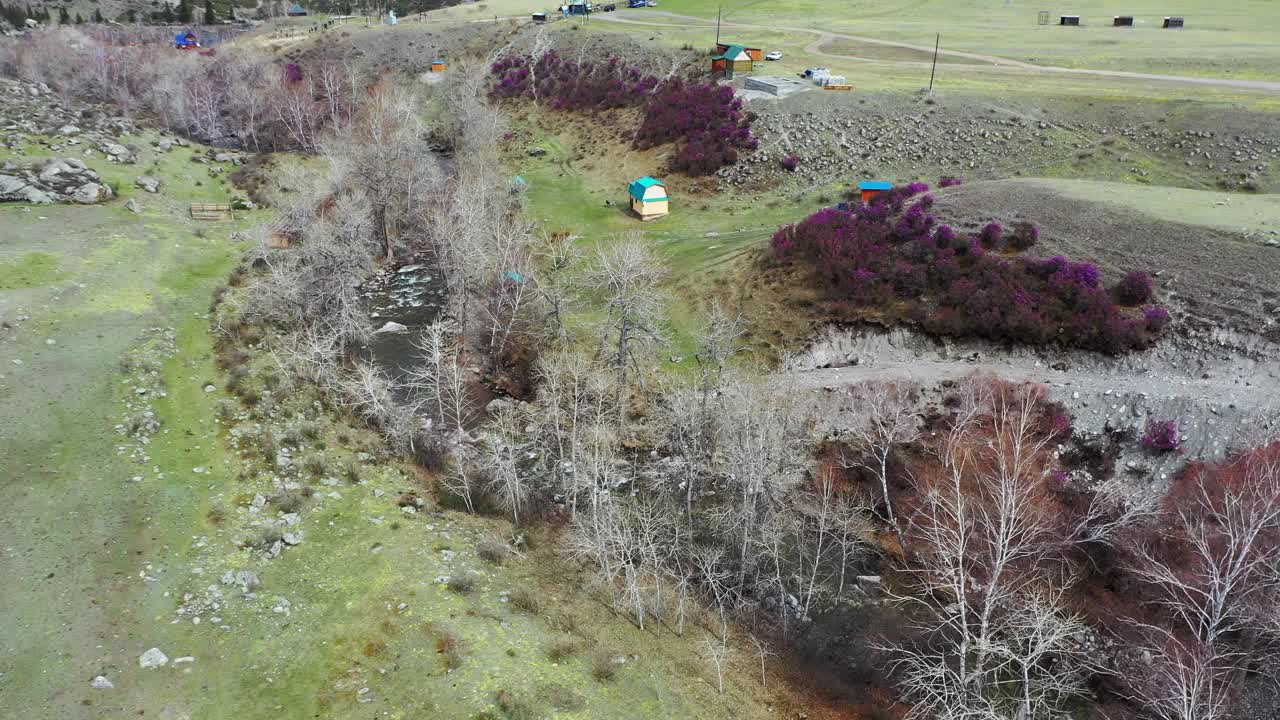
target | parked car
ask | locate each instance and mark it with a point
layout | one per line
(610, 7)
(636, 3)
(652, 3)
(775, 55)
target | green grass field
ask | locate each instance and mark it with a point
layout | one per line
(1235, 40)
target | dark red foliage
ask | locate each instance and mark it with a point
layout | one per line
(706, 118)
(885, 252)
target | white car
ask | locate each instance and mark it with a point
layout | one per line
(775, 55)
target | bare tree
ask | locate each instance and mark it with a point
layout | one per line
(718, 654)
(439, 379)
(763, 652)
(886, 419)
(1181, 679)
(987, 552)
(504, 447)
(627, 272)
(764, 452)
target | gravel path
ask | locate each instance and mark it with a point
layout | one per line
(1219, 396)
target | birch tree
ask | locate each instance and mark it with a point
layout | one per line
(627, 273)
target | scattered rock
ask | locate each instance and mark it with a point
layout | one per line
(391, 327)
(132, 206)
(153, 658)
(148, 183)
(101, 683)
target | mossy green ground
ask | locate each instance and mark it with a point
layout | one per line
(98, 565)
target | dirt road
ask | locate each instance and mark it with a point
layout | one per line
(1217, 395)
(989, 63)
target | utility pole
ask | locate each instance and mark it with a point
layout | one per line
(717, 24)
(937, 41)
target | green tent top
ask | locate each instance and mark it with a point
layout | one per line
(637, 187)
(730, 52)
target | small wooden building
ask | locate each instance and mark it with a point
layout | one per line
(579, 7)
(1122, 21)
(648, 198)
(1069, 20)
(872, 188)
(186, 41)
(733, 59)
(757, 54)
(539, 18)
(438, 65)
(1172, 23)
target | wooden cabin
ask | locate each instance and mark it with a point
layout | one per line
(648, 198)
(757, 54)
(1069, 20)
(1122, 21)
(871, 188)
(1172, 23)
(733, 59)
(439, 65)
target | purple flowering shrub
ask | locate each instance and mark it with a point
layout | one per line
(1161, 435)
(1135, 288)
(1025, 236)
(1157, 318)
(892, 254)
(709, 119)
(790, 162)
(949, 181)
(706, 118)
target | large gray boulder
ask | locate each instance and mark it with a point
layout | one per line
(117, 152)
(15, 189)
(92, 193)
(148, 183)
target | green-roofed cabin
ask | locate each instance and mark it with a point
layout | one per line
(648, 198)
(730, 59)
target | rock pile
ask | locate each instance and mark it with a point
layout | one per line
(34, 114)
(55, 180)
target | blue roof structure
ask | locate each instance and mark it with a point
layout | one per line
(637, 187)
(875, 185)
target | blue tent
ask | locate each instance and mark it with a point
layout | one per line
(185, 40)
(875, 185)
(296, 10)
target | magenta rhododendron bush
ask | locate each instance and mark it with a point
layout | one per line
(705, 118)
(893, 254)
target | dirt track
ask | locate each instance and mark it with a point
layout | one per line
(1220, 398)
(991, 63)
